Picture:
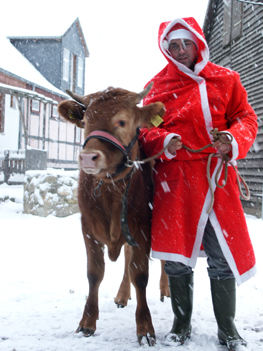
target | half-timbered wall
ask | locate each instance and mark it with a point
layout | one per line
(44, 130)
(54, 135)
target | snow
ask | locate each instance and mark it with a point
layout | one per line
(16, 178)
(44, 286)
(17, 154)
(53, 171)
(43, 260)
(12, 192)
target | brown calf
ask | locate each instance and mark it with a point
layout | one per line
(108, 170)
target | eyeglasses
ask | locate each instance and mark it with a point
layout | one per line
(186, 45)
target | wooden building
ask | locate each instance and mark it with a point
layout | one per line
(60, 59)
(234, 32)
(34, 74)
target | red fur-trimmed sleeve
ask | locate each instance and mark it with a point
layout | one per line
(241, 118)
(153, 141)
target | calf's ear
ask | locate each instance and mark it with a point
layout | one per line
(72, 112)
(151, 112)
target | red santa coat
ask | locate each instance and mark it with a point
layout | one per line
(197, 102)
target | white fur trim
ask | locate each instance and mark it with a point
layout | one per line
(205, 106)
(168, 256)
(203, 220)
(165, 45)
(204, 53)
(235, 151)
(249, 274)
(182, 34)
(167, 139)
(227, 253)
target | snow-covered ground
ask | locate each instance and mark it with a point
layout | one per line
(44, 286)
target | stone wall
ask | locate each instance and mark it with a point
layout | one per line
(51, 192)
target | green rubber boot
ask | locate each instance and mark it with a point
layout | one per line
(181, 291)
(224, 303)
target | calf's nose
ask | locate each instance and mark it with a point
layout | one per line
(88, 160)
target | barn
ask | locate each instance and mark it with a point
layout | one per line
(233, 30)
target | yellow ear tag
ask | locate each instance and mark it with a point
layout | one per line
(70, 114)
(156, 120)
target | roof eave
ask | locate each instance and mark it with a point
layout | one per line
(61, 95)
(81, 35)
(35, 38)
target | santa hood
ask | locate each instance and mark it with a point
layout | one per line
(191, 25)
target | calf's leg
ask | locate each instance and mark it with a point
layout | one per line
(164, 285)
(139, 278)
(96, 267)
(124, 293)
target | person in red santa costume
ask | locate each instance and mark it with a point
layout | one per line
(199, 97)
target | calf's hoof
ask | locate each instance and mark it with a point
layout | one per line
(151, 339)
(86, 332)
(122, 302)
(164, 293)
(119, 305)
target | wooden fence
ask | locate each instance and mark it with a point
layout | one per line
(14, 164)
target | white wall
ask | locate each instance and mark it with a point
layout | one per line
(9, 139)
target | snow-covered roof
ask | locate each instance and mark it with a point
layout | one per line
(14, 63)
(52, 32)
(9, 89)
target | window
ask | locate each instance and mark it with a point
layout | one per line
(80, 72)
(54, 111)
(233, 15)
(66, 55)
(35, 105)
(13, 101)
(72, 72)
(77, 135)
(2, 113)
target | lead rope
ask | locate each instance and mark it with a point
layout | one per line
(224, 159)
(124, 218)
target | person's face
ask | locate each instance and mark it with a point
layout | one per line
(184, 51)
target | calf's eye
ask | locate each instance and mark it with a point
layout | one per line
(122, 123)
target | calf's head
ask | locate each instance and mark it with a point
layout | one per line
(112, 112)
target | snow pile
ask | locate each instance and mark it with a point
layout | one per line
(51, 192)
(12, 193)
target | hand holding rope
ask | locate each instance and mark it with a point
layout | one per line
(225, 138)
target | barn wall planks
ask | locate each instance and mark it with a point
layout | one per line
(244, 54)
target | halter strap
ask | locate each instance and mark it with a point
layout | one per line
(101, 134)
(106, 136)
